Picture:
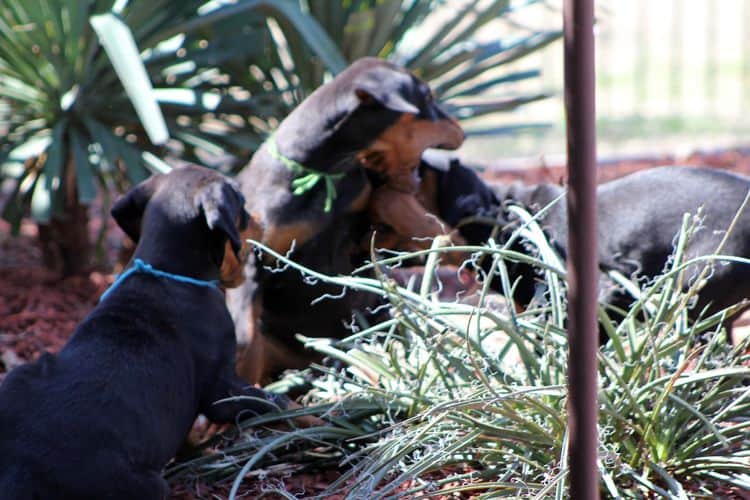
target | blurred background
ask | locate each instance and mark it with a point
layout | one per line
(671, 78)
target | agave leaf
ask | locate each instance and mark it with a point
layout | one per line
(84, 176)
(467, 111)
(492, 11)
(50, 200)
(432, 47)
(133, 162)
(99, 134)
(386, 12)
(15, 208)
(413, 16)
(118, 41)
(287, 13)
(357, 34)
(14, 51)
(490, 84)
(518, 50)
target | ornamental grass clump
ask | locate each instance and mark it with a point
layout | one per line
(450, 398)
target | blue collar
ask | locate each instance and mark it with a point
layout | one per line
(141, 267)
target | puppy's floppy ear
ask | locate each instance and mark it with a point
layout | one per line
(128, 210)
(386, 87)
(223, 206)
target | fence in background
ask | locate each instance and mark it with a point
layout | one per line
(665, 68)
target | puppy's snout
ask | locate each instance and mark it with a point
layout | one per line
(453, 134)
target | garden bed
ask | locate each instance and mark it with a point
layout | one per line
(38, 310)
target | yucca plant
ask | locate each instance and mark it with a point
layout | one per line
(438, 41)
(70, 126)
(469, 77)
(447, 398)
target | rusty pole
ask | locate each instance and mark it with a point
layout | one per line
(583, 337)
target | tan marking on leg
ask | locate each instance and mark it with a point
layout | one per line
(251, 356)
(404, 214)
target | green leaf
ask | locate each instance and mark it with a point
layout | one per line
(134, 167)
(41, 201)
(15, 206)
(84, 177)
(490, 84)
(118, 41)
(101, 135)
(51, 196)
(286, 12)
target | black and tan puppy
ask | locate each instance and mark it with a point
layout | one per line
(311, 185)
(639, 218)
(103, 417)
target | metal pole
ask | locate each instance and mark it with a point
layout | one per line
(582, 243)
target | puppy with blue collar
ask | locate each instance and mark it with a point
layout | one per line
(103, 417)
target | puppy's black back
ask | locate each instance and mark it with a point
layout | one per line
(652, 203)
(640, 216)
(120, 396)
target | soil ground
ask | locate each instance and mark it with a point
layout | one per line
(39, 310)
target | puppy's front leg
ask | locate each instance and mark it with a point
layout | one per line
(234, 399)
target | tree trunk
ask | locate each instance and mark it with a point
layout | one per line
(65, 241)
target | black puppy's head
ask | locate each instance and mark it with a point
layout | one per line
(379, 112)
(413, 121)
(193, 208)
(458, 194)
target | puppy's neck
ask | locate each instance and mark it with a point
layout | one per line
(320, 148)
(328, 129)
(196, 258)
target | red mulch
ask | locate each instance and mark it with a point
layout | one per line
(736, 160)
(39, 310)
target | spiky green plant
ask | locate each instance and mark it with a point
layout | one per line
(450, 398)
(69, 125)
(430, 37)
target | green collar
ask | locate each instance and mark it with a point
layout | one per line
(305, 178)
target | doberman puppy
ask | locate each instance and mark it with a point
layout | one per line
(639, 218)
(103, 417)
(309, 188)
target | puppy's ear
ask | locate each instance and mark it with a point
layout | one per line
(385, 87)
(224, 208)
(128, 210)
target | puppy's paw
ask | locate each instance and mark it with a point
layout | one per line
(285, 403)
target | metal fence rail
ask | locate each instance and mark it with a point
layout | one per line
(676, 68)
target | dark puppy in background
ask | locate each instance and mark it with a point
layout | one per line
(310, 188)
(639, 218)
(103, 417)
